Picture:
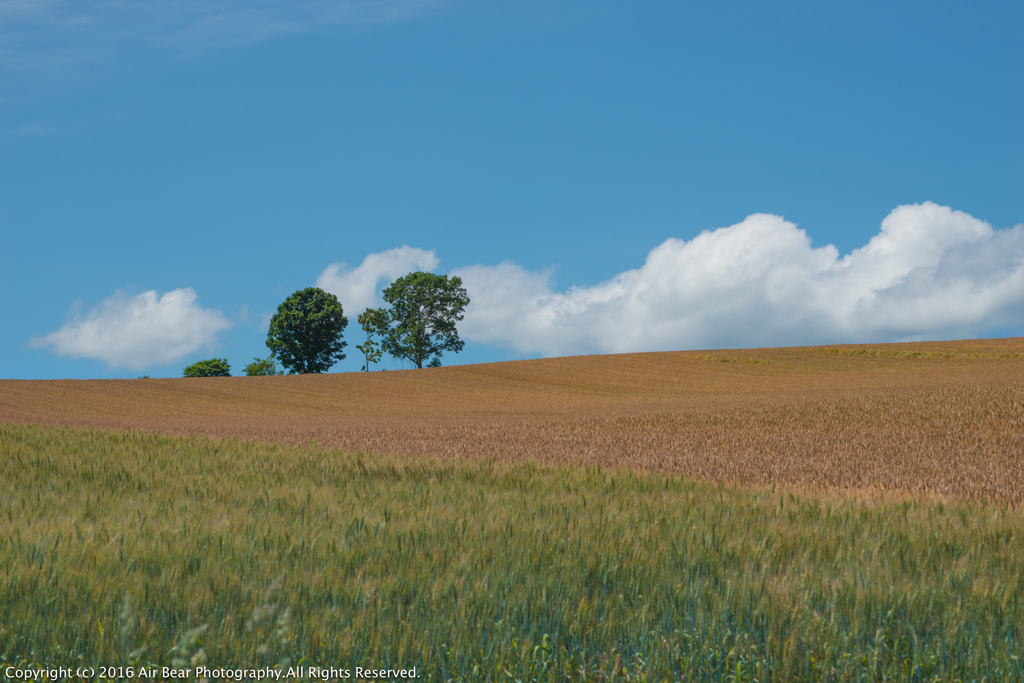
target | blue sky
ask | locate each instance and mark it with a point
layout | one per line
(605, 176)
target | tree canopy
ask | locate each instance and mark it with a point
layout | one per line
(305, 333)
(420, 325)
(211, 367)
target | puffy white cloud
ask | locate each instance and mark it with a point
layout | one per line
(134, 332)
(930, 272)
(357, 289)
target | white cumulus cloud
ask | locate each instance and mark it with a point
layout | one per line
(357, 289)
(135, 332)
(930, 272)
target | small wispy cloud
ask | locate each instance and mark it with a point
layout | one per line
(32, 129)
(135, 332)
(49, 33)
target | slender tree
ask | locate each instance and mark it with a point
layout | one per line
(374, 321)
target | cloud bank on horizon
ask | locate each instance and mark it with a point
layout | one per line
(930, 273)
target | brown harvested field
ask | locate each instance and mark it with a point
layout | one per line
(943, 419)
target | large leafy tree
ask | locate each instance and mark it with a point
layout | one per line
(422, 317)
(305, 333)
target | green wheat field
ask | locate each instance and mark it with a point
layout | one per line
(146, 549)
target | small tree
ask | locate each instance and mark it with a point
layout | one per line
(374, 321)
(422, 317)
(211, 367)
(260, 367)
(305, 333)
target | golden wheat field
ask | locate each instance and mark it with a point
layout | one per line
(929, 419)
